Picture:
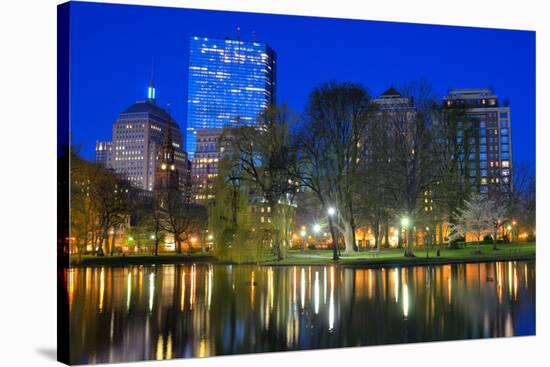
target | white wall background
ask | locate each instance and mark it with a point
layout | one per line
(28, 181)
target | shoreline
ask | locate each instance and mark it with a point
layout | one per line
(361, 260)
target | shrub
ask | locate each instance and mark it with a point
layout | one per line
(488, 239)
(311, 246)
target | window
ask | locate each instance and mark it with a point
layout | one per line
(503, 131)
(505, 148)
(506, 172)
(504, 115)
(504, 140)
(506, 164)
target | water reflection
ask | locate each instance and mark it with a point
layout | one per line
(174, 311)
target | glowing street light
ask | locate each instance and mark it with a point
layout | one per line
(303, 233)
(331, 211)
(210, 237)
(152, 236)
(130, 238)
(316, 228)
(509, 227)
(405, 222)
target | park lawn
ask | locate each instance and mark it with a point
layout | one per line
(387, 257)
(163, 258)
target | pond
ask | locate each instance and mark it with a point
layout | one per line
(197, 310)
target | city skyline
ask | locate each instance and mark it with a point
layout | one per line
(170, 57)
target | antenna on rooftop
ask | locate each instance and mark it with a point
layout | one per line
(238, 32)
(253, 36)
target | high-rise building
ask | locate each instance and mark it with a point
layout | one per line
(490, 157)
(103, 152)
(211, 146)
(138, 134)
(230, 81)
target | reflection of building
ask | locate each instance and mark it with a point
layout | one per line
(138, 133)
(230, 81)
(490, 159)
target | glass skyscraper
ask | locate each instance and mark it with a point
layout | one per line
(229, 81)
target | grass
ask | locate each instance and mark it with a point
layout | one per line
(387, 257)
(119, 260)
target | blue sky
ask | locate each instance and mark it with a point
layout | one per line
(114, 46)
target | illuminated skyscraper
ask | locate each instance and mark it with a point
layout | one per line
(138, 135)
(230, 81)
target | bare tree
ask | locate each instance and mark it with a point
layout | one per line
(336, 121)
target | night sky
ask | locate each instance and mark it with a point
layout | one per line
(114, 46)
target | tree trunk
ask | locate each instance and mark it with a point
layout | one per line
(408, 249)
(112, 244)
(348, 237)
(387, 234)
(399, 237)
(376, 231)
(178, 243)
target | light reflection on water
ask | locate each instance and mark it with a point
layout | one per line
(174, 311)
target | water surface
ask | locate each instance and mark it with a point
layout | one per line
(174, 311)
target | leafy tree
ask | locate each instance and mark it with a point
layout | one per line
(263, 158)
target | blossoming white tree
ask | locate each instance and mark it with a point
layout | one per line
(481, 216)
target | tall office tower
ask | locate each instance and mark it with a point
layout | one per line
(138, 134)
(487, 129)
(230, 81)
(103, 152)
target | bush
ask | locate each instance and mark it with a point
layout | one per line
(488, 239)
(311, 246)
(531, 238)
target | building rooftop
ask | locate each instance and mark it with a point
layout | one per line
(149, 107)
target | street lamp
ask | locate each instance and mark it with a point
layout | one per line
(331, 211)
(405, 222)
(303, 233)
(316, 228)
(428, 238)
(152, 236)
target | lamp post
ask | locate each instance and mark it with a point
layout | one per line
(303, 234)
(428, 238)
(331, 212)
